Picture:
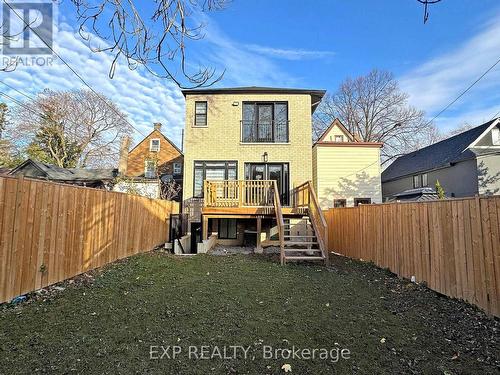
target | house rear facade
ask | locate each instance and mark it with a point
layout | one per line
(465, 165)
(238, 143)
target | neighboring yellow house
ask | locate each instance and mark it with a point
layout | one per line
(346, 171)
(250, 134)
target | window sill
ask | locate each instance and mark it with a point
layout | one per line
(264, 143)
(199, 126)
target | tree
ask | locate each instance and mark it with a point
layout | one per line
(72, 127)
(440, 191)
(51, 145)
(4, 112)
(374, 108)
(157, 40)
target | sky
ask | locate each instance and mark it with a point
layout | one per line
(288, 44)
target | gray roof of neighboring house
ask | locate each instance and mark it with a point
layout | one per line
(53, 172)
(416, 195)
(440, 154)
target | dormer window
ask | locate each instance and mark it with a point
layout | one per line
(154, 145)
(495, 136)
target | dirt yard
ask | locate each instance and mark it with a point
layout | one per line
(117, 319)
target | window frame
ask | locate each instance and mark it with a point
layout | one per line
(273, 104)
(179, 169)
(227, 229)
(200, 114)
(426, 184)
(357, 201)
(417, 181)
(342, 200)
(226, 172)
(151, 144)
(155, 175)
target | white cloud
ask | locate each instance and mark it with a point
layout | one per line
(143, 97)
(441, 79)
(289, 54)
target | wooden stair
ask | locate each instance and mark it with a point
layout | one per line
(302, 237)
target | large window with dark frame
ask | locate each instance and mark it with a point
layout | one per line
(200, 113)
(265, 122)
(212, 170)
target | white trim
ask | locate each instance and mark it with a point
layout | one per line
(151, 144)
(473, 144)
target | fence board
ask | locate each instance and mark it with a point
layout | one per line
(452, 245)
(50, 232)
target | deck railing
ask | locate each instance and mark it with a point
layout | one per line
(239, 193)
(304, 196)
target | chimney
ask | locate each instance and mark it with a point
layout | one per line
(123, 164)
(157, 126)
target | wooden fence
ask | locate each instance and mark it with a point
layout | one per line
(50, 232)
(452, 245)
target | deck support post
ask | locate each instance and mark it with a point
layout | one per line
(258, 247)
(204, 228)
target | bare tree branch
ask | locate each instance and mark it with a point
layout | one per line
(373, 108)
(157, 41)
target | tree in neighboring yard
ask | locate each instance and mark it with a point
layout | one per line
(440, 191)
(52, 145)
(9, 155)
(156, 37)
(71, 128)
(374, 109)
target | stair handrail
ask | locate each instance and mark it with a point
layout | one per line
(318, 221)
(280, 222)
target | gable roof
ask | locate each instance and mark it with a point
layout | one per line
(440, 154)
(164, 136)
(353, 140)
(337, 123)
(55, 173)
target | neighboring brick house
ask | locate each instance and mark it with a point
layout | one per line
(156, 158)
(346, 171)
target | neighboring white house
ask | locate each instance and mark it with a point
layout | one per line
(346, 171)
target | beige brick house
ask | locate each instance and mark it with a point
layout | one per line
(240, 145)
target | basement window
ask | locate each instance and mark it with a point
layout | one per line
(227, 229)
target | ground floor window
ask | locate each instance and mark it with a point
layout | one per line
(358, 201)
(338, 203)
(212, 170)
(227, 229)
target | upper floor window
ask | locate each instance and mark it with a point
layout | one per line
(339, 138)
(416, 181)
(424, 180)
(200, 113)
(495, 136)
(177, 168)
(420, 180)
(150, 169)
(154, 145)
(265, 122)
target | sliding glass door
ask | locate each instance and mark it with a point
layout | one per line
(271, 171)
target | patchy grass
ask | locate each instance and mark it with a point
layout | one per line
(388, 325)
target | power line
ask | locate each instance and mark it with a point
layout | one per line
(73, 70)
(464, 92)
